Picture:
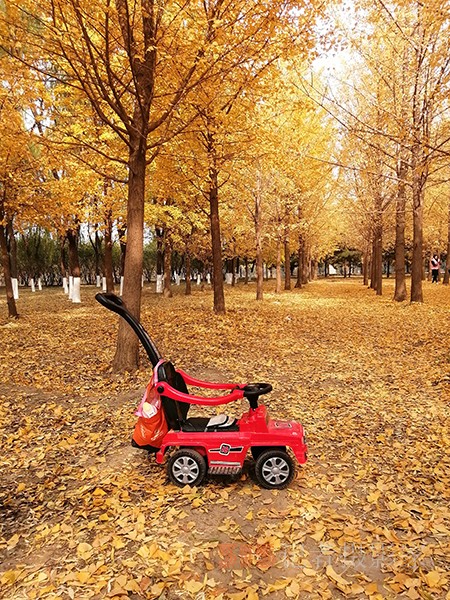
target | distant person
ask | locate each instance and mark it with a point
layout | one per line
(435, 263)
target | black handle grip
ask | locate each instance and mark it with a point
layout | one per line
(116, 304)
(110, 301)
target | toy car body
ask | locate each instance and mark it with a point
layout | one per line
(194, 447)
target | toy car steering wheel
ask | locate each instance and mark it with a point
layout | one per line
(253, 391)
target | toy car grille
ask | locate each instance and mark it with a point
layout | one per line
(224, 470)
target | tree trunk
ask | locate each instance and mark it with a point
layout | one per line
(278, 268)
(127, 351)
(287, 263)
(74, 263)
(159, 259)
(107, 257)
(258, 237)
(97, 248)
(233, 271)
(366, 267)
(63, 262)
(188, 291)
(421, 112)
(167, 266)
(305, 264)
(378, 257)
(12, 244)
(446, 278)
(219, 297)
(400, 284)
(301, 248)
(417, 254)
(12, 309)
(123, 253)
(372, 265)
(246, 271)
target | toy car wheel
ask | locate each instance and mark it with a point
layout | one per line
(256, 451)
(186, 467)
(274, 469)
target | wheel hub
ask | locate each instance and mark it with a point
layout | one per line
(275, 470)
(185, 469)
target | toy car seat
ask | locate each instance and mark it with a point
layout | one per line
(176, 412)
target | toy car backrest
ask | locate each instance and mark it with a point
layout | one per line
(175, 412)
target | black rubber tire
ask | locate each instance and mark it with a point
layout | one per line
(256, 451)
(274, 469)
(193, 463)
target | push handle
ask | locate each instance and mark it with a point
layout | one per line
(110, 301)
(116, 304)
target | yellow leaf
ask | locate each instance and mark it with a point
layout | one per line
(319, 534)
(13, 541)
(433, 579)
(118, 543)
(371, 589)
(9, 577)
(193, 586)
(331, 574)
(157, 589)
(279, 584)
(133, 586)
(309, 572)
(84, 550)
(293, 590)
(117, 591)
(374, 497)
(83, 576)
(143, 551)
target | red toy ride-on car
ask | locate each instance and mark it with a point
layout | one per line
(198, 446)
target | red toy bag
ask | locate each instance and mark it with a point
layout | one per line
(151, 426)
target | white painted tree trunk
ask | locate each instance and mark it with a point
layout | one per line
(208, 278)
(143, 280)
(159, 284)
(99, 281)
(121, 286)
(40, 284)
(65, 285)
(177, 279)
(228, 278)
(32, 285)
(15, 286)
(70, 287)
(104, 286)
(76, 290)
(199, 279)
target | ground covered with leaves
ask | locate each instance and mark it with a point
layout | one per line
(83, 515)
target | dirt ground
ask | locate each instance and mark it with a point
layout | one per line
(84, 515)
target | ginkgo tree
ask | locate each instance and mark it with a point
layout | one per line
(135, 64)
(18, 172)
(392, 102)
